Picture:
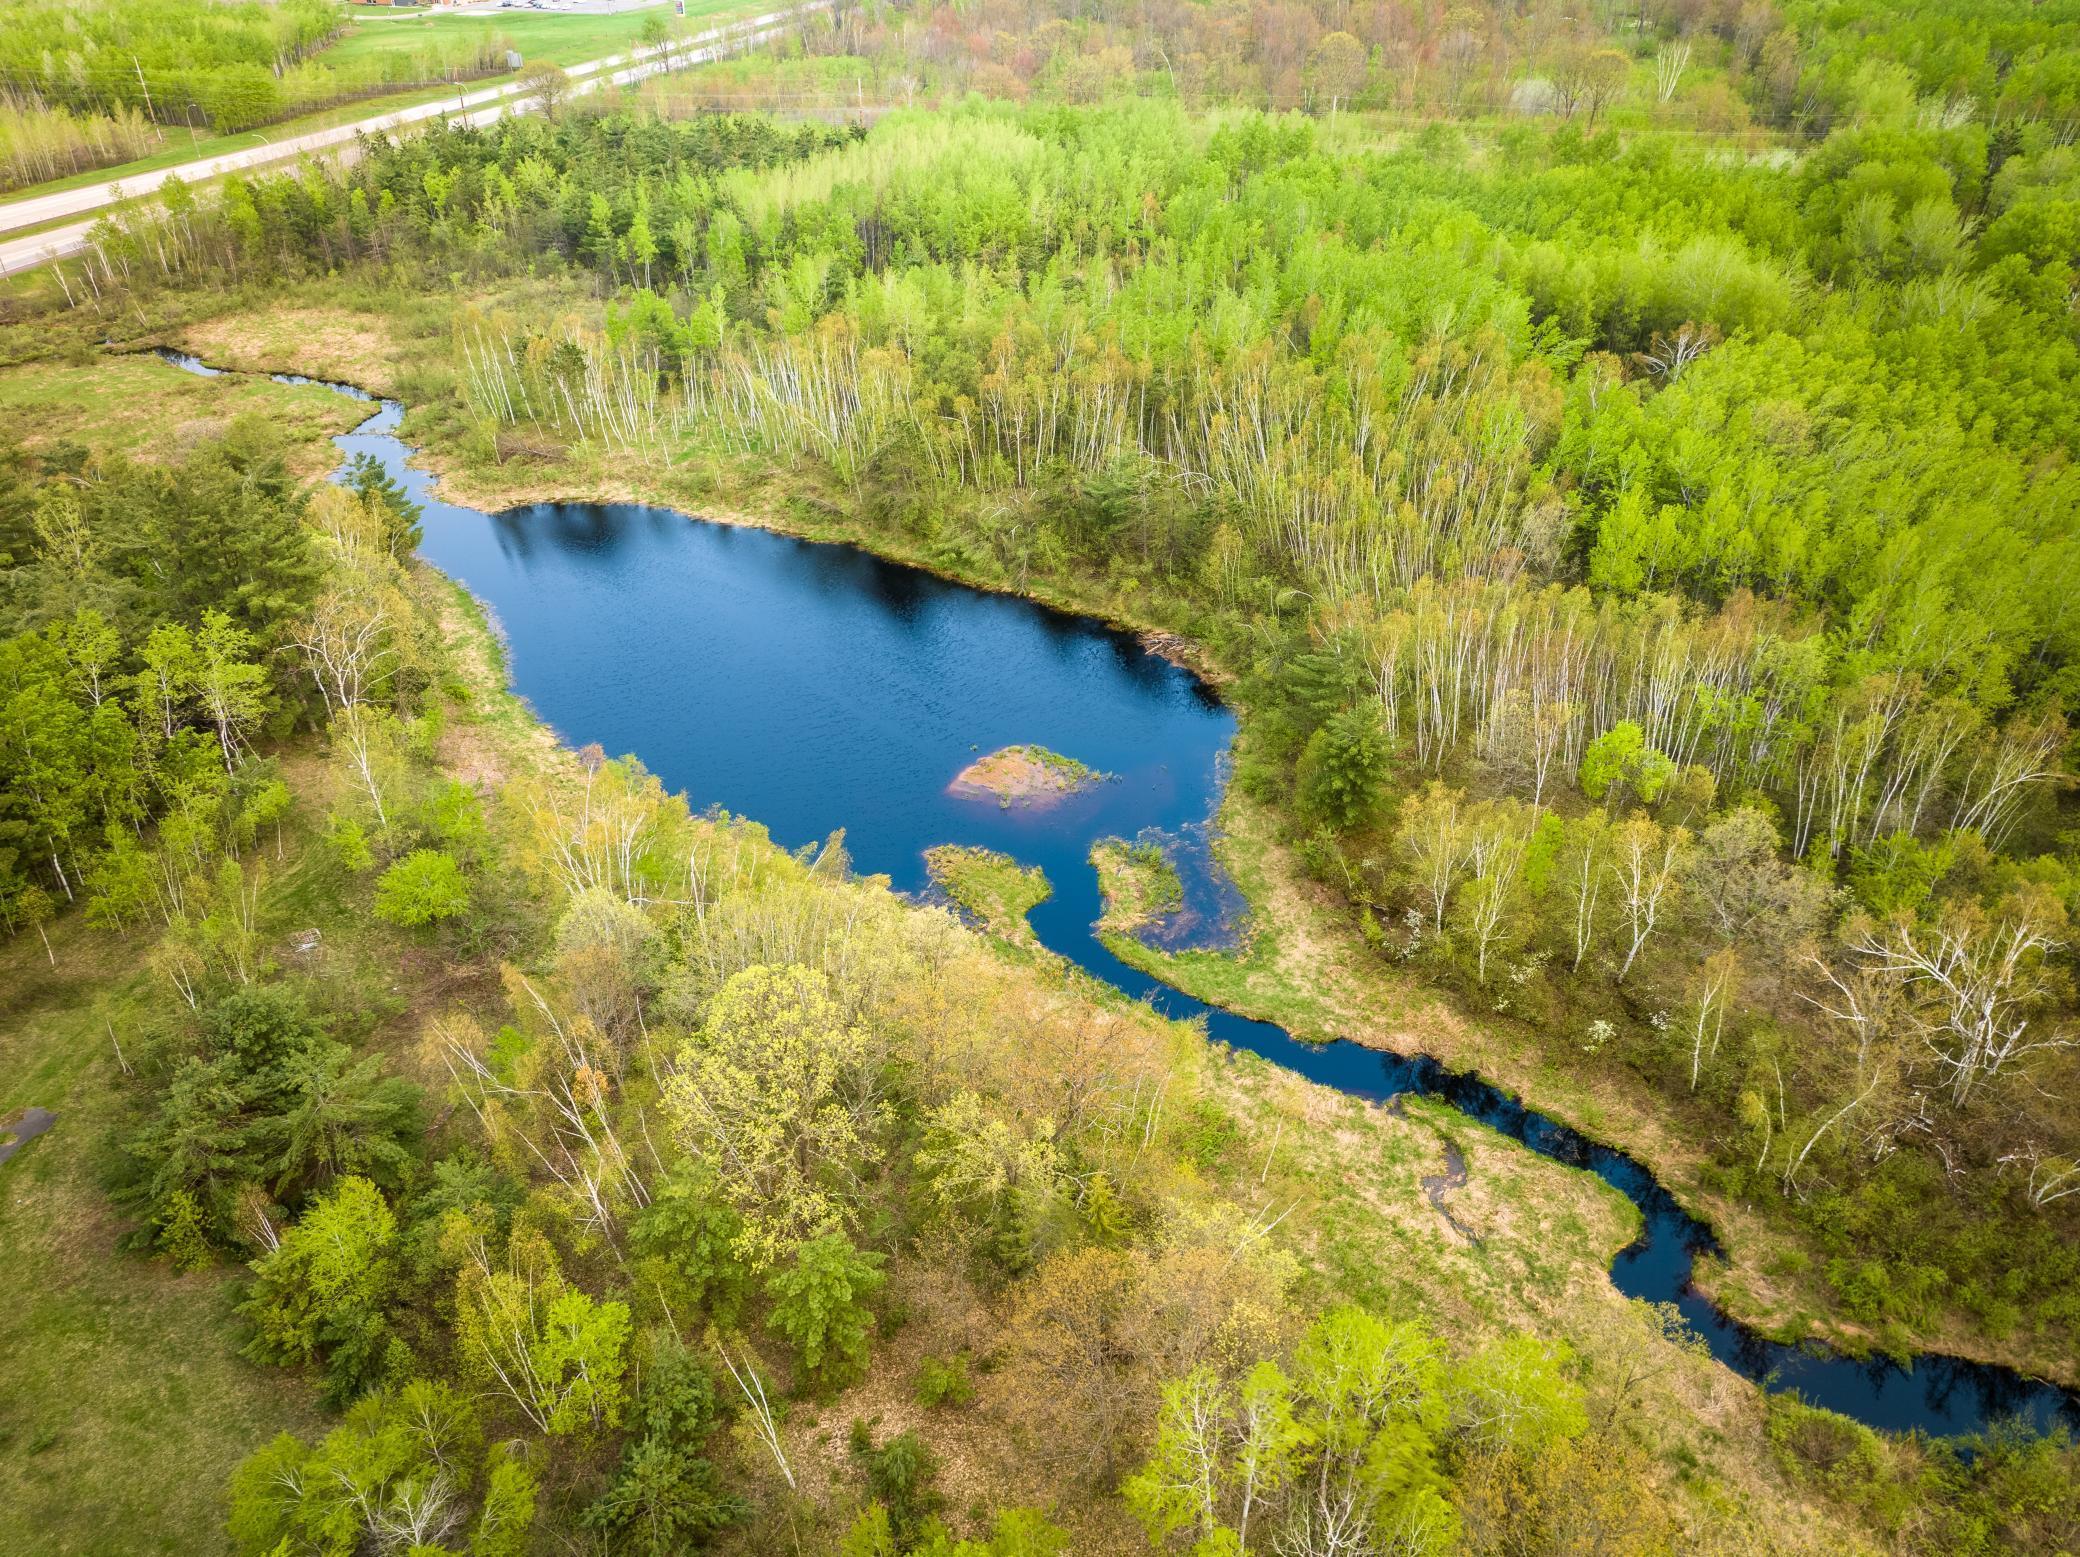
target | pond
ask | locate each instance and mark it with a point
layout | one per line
(814, 687)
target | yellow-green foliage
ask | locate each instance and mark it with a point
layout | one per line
(997, 890)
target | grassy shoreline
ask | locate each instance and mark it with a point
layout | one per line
(1139, 885)
(994, 889)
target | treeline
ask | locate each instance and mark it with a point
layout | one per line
(1277, 54)
(38, 143)
(1763, 470)
(1688, 65)
(170, 60)
(1283, 56)
(250, 225)
(87, 85)
(144, 610)
(2002, 64)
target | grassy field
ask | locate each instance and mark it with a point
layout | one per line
(552, 35)
(148, 409)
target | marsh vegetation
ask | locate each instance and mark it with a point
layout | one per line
(1630, 509)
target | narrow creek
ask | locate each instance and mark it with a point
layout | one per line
(815, 687)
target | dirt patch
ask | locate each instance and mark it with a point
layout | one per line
(320, 342)
(1437, 1185)
(1028, 777)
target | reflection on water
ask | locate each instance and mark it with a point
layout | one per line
(815, 687)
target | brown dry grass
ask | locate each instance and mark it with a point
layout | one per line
(152, 411)
(328, 343)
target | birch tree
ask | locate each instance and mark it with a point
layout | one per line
(1669, 65)
(1499, 836)
(554, 1351)
(1977, 984)
(598, 834)
(1712, 991)
(556, 1096)
(2024, 755)
(1646, 864)
(1222, 1449)
(1584, 869)
(1335, 1453)
(1434, 837)
(345, 643)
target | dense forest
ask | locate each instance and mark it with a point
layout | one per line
(1621, 468)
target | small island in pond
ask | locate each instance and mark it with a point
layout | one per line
(1025, 776)
(1139, 884)
(993, 889)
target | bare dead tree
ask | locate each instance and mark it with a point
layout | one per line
(753, 1389)
(1974, 984)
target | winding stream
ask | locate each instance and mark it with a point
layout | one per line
(816, 687)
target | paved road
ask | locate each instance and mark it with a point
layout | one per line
(479, 107)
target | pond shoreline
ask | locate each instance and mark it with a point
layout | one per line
(467, 490)
(1479, 1099)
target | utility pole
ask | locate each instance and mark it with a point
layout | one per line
(149, 113)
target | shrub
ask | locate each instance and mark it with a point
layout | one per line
(820, 1305)
(900, 1477)
(425, 887)
(943, 1381)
